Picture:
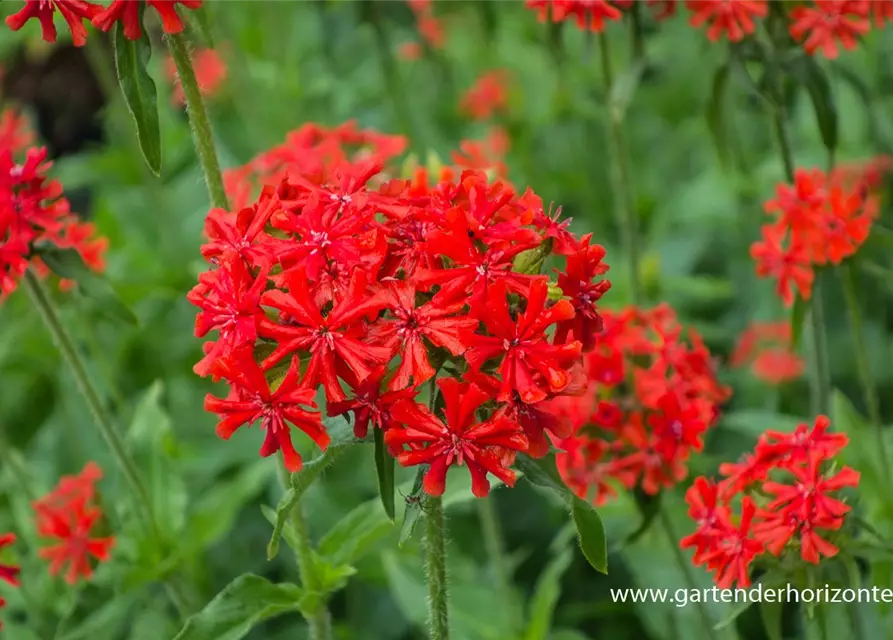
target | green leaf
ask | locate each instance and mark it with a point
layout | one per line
(355, 534)
(545, 597)
(342, 436)
(624, 88)
(151, 435)
(243, 604)
(131, 59)
(67, 263)
(716, 114)
(591, 532)
(771, 614)
(798, 313)
(384, 467)
(806, 71)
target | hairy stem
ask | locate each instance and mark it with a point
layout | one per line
(317, 614)
(621, 184)
(868, 388)
(198, 118)
(435, 569)
(685, 567)
(103, 419)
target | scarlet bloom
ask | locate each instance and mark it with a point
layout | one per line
(787, 261)
(484, 447)
(128, 13)
(210, 72)
(69, 516)
(529, 365)
(731, 558)
(251, 399)
(827, 21)
(333, 340)
(488, 95)
(73, 11)
(440, 324)
(766, 347)
(735, 18)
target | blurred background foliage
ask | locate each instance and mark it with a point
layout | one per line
(328, 62)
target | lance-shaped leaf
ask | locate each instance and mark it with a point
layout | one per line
(242, 605)
(384, 467)
(67, 263)
(131, 59)
(807, 72)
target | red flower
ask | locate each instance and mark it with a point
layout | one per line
(790, 265)
(735, 18)
(439, 323)
(583, 266)
(529, 365)
(487, 96)
(484, 447)
(8, 573)
(69, 515)
(828, 21)
(333, 340)
(251, 399)
(369, 404)
(128, 13)
(229, 299)
(74, 11)
(731, 556)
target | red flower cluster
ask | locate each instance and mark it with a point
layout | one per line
(32, 211)
(484, 155)
(313, 151)
(210, 73)
(488, 96)
(766, 348)
(69, 514)
(367, 292)
(820, 25)
(127, 12)
(8, 573)
(789, 500)
(817, 221)
(649, 398)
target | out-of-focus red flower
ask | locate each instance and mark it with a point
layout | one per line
(790, 503)
(734, 18)
(488, 95)
(766, 348)
(33, 211)
(826, 22)
(210, 72)
(8, 573)
(649, 398)
(128, 12)
(69, 515)
(817, 221)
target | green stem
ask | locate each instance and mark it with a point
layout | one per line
(435, 569)
(318, 617)
(621, 184)
(107, 429)
(198, 118)
(686, 568)
(492, 534)
(868, 388)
